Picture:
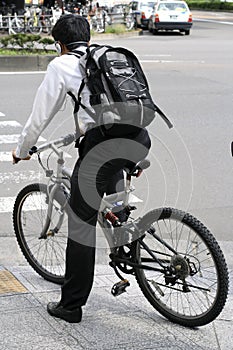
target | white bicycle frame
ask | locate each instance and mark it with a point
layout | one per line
(62, 177)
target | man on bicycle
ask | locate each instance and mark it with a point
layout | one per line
(97, 171)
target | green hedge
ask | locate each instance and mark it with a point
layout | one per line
(25, 43)
(210, 5)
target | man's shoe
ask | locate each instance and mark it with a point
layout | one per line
(57, 310)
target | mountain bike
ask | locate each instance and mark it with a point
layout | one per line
(9, 19)
(176, 261)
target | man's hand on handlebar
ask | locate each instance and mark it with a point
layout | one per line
(16, 159)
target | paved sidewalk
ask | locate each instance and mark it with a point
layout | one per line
(126, 322)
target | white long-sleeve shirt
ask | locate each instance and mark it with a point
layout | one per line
(63, 75)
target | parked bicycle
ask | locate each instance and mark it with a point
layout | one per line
(176, 261)
(10, 21)
(39, 20)
(33, 19)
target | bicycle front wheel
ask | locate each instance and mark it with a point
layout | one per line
(35, 27)
(129, 23)
(192, 288)
(45, 254)
(17, 26)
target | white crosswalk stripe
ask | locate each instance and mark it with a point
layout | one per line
(9, 134)
(7, 131)
(14, 138)
(6, 156)
(6, 204)
(10, 177)
(9, 123)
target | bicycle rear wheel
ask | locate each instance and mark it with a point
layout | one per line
(45, 255)
(196, 292)
(46, 26)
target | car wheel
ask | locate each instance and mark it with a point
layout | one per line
(149, 27)
(187, 32)
(154, 31)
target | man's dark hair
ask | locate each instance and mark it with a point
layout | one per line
(71, 28)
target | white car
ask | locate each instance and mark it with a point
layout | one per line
(141, 11)
(170, 15)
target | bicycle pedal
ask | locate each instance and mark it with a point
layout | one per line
(119, 287)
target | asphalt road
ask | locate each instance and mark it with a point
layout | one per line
(191, 80)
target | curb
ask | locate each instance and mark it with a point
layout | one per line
(24, 63)
(115, 36)
(29, 63)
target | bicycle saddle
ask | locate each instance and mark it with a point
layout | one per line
(138, 168)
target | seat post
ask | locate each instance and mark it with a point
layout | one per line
(128, 183)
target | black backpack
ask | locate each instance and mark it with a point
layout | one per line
(119, 92)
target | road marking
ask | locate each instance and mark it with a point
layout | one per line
(7, 156)
(171, 61)
(7, 204)
(162, 55)
(14, 138)
(20, 176)
(9, 123)
(22, 73)
(2, 114)
(213, 21)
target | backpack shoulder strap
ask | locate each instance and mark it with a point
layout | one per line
(163, 116)
(77, 54)
(77, 101)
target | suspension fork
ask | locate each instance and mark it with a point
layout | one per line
(51, 196)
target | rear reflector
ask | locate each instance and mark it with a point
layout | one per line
(143, 15)
(156, 17)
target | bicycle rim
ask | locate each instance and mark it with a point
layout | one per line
(17, 26)
(199, 294)
(45, 255)
(34, 28)
(47, 26)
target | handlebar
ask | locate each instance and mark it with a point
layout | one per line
(62, 141)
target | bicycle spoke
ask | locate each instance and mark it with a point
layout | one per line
(49, 252)
(188, 293)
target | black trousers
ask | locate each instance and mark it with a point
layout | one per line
(97, 171)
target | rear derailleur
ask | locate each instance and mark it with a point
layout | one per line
(180, 268)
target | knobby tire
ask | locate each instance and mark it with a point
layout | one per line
(206, 254)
